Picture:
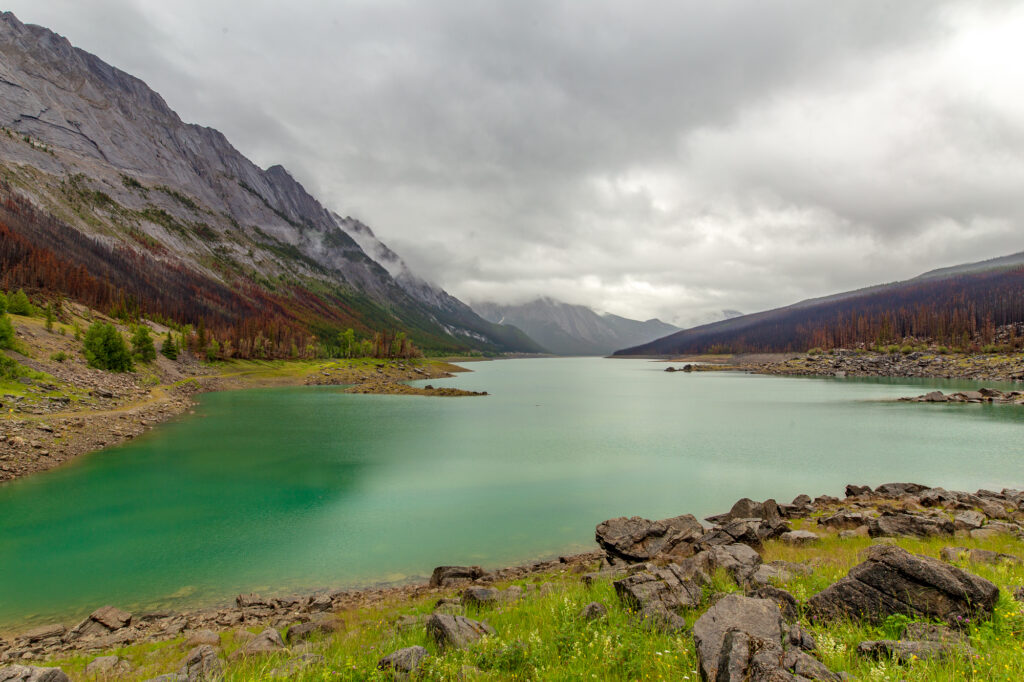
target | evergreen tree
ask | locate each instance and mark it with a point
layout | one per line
(212, 351)
(49, 317)
(169, 349)
(3, 303)
(105, 348)
(6, 332)
(18, 303)
(142, 344)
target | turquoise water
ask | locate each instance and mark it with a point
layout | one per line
(293, 489)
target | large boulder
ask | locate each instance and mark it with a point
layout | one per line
(900, 489)
(108, 666)
(668, 586)
(403, 661)
(202, 663)
(742, 638)
(904, 524)
(444, 576)
(31, 673)
(455, 632)
(101, 622)
(636, 539)
(907, 651)
(267, 642)
(746, 508)
(751, 532)
(893, 581)
(738, 560)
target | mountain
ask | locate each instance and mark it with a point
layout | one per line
(961, 306)
(566, 329)
(89, 150)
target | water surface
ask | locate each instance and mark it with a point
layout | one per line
(303, 488)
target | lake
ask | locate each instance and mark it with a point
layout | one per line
(283, 490)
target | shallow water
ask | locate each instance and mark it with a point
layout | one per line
(302, 488)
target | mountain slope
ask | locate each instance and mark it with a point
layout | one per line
(566, 329)
(960, 306)
(100, 151)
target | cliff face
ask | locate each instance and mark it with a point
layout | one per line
(97, 148)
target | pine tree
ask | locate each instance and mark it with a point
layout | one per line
(142, 344)
(18, 303)
(49, 317)
(169, 349)
(105, 348)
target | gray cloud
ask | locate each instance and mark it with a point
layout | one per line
(646, 158)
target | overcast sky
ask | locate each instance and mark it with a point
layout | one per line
(666, 159)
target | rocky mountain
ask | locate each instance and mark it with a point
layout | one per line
(566, 329)
(966, 306)
(99, 151)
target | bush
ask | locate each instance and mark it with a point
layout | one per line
(18, 303)
(6, 332)
(59, 356)
(142, 344)
(3, 303)
(106, 349)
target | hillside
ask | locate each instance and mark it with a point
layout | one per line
(170, 218)
(565, 329)
(967, 306)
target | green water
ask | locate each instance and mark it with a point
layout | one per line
(305, 488)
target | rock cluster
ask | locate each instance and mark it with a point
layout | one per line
(844, 362)
(984, 395)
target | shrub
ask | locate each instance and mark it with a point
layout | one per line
(106, 349)
(213, 350)
(59, 356)
(6, 332)
(3, 303)
(814, 351)
(142, 344)
(18, 303)
(50, 317)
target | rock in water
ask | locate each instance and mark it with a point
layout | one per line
(456, 632)
(636, 539)
(894, 581)
(30, 673)
(404, 660)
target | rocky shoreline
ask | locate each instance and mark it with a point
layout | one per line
(924, 365)
(77, 409)
(660, 568)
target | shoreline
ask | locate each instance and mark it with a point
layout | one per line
(66, 409)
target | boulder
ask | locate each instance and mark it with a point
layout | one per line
(293, 667)
(903, 524)
(968, 520)
(300, 632)
(31, 673)
(668, 586)
(444, 576)
(977, 556)
(455, 632)
(893, 581)
(751, 532)
(857, 490)
(844, 520)
(595, 610)
(201, 637)
(636, 539)
(656, 616)
(42, 634)
(480, 596)
(784, 600)
(267, 642)
(906, 651)
(251, 601)
(100, 622)
(200, 664)
(758, 618)
(900, 489)
(403, 661)
(108, 666)
(799, 537)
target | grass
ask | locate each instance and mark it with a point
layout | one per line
(543, 637)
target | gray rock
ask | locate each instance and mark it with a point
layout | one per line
(480, 596)
(300, 632)
(202, 663)
(267, 642)
(799, 537)
(108, 666)
(752, 532)
(403, 661)
(251, 600)
(201, 637)
(667, 586)
(977, 556)
(443, 576)
(857, 490)
(968, 520)
(656, 616)
(100, 622)
(906, 651)
(293, 667)
(903, 524)
(899, 489)
(637, 539)
(844, 520)
(784, 600)
(42, 633)
(893, 581)
(756, 618)
(31, 673)
(455, 632)
(595, 610)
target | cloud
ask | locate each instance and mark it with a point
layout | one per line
(645, 158)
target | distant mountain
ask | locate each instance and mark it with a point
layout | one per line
(960, 306)
(566, 329)
(98, 154)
